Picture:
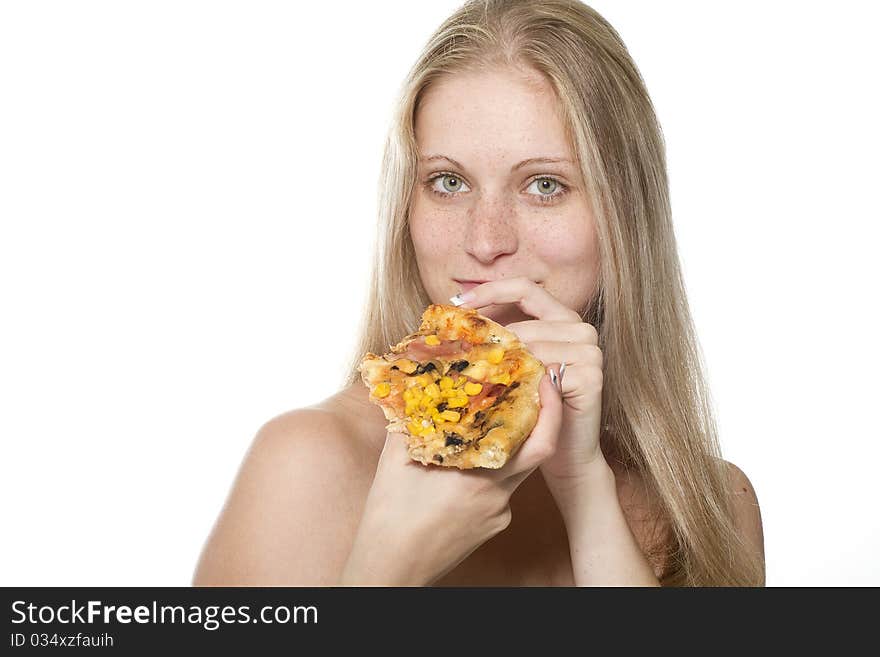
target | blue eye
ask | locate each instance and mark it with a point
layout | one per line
(549, 190)
(545, 186)
(451, 184)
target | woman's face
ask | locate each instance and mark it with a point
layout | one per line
(484, 206)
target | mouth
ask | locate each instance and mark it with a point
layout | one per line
(467, 286)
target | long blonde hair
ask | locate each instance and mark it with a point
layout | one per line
(657, 412)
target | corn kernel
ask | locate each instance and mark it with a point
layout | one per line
(461, 381)
(451, 392)
(446, 383)
(432, 340)
(382, 390)
(433, 391)
(452, 416)
(503, 379)
(406, 366)
(457, 402)
(411, 407)
(424, 379)
(472, 389)
(414, 428)
(496, 355)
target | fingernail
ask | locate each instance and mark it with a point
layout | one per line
(462, 298)
(561, 374)
(553, 378)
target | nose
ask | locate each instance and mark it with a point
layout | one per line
(491, 230)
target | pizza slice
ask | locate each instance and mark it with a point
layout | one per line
(463, 389)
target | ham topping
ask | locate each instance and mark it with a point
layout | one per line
(489, 392)
(418, 350)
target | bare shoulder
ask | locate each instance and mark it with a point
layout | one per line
(309, 437)
(293, 509)
(747, 511)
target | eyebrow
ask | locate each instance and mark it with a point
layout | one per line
(519, 165)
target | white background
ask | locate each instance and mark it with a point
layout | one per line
(186, 186)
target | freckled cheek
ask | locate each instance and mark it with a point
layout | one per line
(561, 246)
(433, 236)
(570, 254)
(434, 245)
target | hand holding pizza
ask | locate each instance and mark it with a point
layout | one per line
(419, 521)
(557, 335)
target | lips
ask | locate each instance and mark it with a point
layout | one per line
(467, 286)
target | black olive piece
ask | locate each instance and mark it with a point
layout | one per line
(454, 439)
(459, 365)
(438, 458)
(426, 367)
(395, 367)
(441, 407)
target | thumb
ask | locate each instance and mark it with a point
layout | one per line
(395, 450)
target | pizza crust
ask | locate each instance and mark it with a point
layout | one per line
(421, 385)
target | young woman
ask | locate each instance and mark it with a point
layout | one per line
(525, 173)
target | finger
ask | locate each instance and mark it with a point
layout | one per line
(538, 329)
(566, 352)
(531, 298)
(541, 443)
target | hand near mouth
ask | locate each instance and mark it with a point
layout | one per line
(558, 337)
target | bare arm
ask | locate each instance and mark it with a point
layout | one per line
(292, 513)
(604, 551)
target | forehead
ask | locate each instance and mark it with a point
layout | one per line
(508, 111)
